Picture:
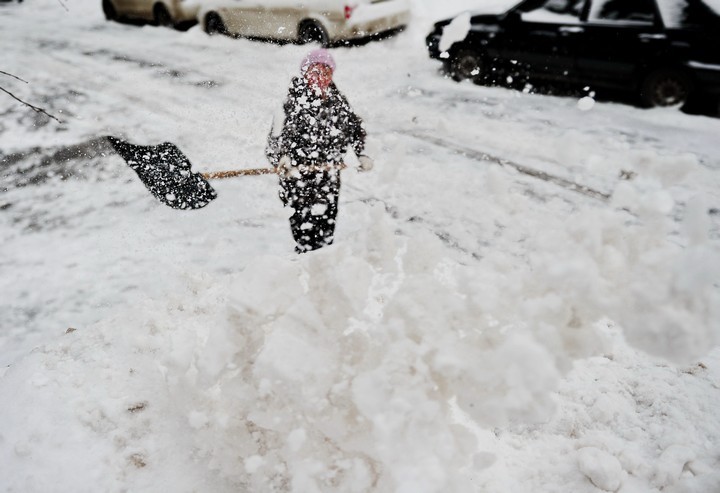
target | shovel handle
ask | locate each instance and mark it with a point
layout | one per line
(239, 172)
(266, 171)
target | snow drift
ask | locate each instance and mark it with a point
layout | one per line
(345, 369)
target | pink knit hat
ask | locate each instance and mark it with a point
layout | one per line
(317, 56)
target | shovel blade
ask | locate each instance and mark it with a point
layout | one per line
(166, 172)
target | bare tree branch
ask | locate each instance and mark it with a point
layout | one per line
(34, 108)
(14, 77)
(63, 5)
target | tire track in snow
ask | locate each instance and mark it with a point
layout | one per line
(526, 170)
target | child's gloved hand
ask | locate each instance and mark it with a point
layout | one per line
(284, 167)
(366, 163)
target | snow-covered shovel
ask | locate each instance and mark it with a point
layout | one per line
(165, 171)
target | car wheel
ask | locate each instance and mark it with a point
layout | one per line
(162, 16)
(109, 10)
(665, 87)
(465, 65)
(312, 32)
(214, 24)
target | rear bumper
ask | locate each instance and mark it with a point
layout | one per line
(369, 20)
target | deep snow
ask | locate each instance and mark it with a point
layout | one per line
(466, 333)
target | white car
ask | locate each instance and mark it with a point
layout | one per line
(161, 12)
(322, 21)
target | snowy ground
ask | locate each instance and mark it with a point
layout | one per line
(523, 295)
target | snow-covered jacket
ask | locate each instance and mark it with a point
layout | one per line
(315, 130)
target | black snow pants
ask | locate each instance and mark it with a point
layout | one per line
(314, 199)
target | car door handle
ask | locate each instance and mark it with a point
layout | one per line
(571, 29)
(647, 36)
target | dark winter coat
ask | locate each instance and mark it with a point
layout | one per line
(316, 131)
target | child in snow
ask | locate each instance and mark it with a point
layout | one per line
(308, 146)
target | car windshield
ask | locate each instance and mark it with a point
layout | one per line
(552, 10)
(635, 11)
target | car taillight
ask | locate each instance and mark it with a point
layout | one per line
(348, 12)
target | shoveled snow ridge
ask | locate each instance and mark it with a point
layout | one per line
(335, 371)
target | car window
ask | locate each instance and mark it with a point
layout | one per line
(682, 13)
(558, 11)
(625, 11)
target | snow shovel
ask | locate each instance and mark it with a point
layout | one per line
(166, 172)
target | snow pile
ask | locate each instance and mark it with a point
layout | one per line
(674, 317)
(340, 370)
(603, 469)
(335, 371)
(597, 263)
(585, 103)
(331, 372)
(624, 423)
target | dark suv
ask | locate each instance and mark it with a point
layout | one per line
(661, 50)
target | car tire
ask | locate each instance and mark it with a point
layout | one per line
(109, 10)
(161, 16)
(312, 32)
(214, 24)
(465, 64)
(665, 87)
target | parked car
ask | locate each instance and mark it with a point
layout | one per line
(661, 50)
(322, 21)
(176, 13)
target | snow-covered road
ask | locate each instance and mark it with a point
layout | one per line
(497, 239)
